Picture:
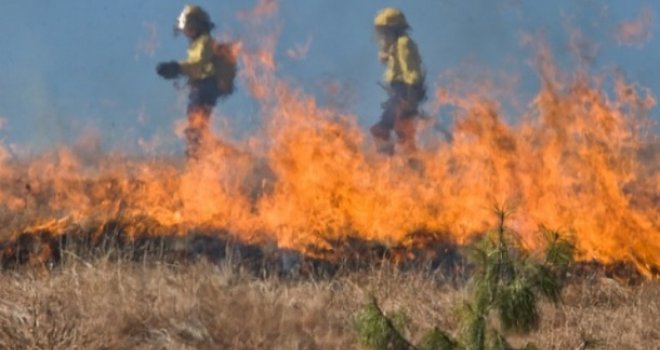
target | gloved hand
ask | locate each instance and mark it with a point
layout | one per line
(168, 70)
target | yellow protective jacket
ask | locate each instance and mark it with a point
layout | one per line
(403, 62)
(199, 63)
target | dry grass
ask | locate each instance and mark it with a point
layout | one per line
(122, 305)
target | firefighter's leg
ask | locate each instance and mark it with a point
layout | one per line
(406, 118)
(381, 131)
(404, 127)
(405, 132)
(201, 100)
(197, 132)
(381, 134)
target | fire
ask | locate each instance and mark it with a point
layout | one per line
(581, 160)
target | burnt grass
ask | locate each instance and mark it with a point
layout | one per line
(110, 240)
(430, 252)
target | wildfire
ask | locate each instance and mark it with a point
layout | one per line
(581, 161)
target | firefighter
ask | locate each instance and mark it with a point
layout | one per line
(204, 70)
(404, 81)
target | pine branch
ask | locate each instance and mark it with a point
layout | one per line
(377, 331)
(438, 340)
(559, 251)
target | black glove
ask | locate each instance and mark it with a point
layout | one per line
(168, 70)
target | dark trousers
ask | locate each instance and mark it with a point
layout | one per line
(399, 113)
(202, 98)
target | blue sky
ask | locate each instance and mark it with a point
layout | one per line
(75, 65)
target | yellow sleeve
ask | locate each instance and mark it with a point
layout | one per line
(200, 54)
(409, 61)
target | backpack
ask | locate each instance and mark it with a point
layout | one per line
(224, 62)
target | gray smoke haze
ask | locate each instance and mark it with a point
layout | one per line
(71, 66)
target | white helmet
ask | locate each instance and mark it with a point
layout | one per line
(183, 17)
(194, 16)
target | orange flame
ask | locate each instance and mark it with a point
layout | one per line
(582, 161)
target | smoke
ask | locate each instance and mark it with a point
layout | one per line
(148, 44)
(636, 32)
(264, 8)
(299, 51)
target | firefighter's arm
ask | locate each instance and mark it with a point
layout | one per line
(409, 61)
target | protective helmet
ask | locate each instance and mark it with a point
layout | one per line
(390, 17)
(193, 16)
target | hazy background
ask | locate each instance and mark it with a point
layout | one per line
(68, 67)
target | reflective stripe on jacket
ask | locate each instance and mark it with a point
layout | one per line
(403, 62)
(199, 63)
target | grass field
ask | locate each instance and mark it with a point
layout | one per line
(130, 305)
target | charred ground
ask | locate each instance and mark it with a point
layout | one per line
(432, 253)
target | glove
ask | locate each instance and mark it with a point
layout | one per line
(168, 70)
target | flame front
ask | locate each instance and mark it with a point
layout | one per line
(580, 160)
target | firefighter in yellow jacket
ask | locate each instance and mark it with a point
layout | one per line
(404, 79)
(201, 69)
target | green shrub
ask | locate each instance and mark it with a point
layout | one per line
(506, 281)
(378, 331)
(438, 340)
